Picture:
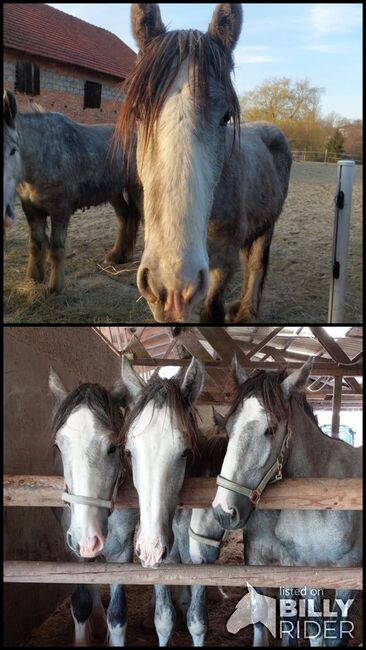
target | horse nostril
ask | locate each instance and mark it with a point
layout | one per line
(147, 287)
(165, 553)
(234, 515)
(69, 539)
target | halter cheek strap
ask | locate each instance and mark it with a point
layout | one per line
(202, 539)
(273, 475)
(69, 498)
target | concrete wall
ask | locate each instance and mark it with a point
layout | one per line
(62, 89)
(77, 354)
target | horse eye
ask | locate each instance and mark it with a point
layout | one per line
(12, 152)
(127, 453)
(185, 453)
(225, 119)
(112, 449)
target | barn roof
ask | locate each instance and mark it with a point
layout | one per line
(337, 352)
(45, 31)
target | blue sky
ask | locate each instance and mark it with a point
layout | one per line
(319, 42)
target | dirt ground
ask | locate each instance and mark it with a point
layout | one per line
(298, 280)
(57, 630)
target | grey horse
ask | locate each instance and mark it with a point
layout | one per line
(273, 433)
(212, 191)
(86, 425)
(57, 166)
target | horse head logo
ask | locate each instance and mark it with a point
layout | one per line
(253, 608)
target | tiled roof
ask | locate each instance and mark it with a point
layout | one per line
(44, 31)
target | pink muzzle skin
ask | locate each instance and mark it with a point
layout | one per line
(176, 308)
(91, 546)
(150, 553)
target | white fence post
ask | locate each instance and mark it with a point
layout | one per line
(346, 171)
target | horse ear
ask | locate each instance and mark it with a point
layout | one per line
(239, 374)
(131, 381)
(56, 386)
(146, 23)
(193, 381)
(218, 419)
(9, 107)
(297, 380)
(225, 25)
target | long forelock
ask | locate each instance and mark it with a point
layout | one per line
(162, 392)
(100, 402)
(156, 70)
(266, 386)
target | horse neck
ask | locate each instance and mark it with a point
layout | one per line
(314, 454)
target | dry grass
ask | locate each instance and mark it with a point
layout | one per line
(298, 279)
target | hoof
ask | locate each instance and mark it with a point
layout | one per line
(55, 288)
(115, 257)
(35, 274)
(238, 315)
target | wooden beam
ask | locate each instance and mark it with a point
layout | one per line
(322, 369)
(224, 345)
(191, 343)
(336, 406)
(336, 352)
(183, 574)
(288, 494)
(262, 343)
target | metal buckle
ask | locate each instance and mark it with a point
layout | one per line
(278, 476)
(254, 497)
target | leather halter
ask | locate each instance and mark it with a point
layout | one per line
(69, 498)
(273, 475)
(202, 539)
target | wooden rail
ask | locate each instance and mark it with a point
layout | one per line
(183, 574)
(288, 494)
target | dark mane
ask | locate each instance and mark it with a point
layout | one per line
(147, 87)
(167, 391)
(98, 400)
(211, 455)
(266, 385)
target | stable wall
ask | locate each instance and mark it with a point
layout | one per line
(77, 354)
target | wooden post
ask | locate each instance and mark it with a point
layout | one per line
(184, 574)
(337, 401)
(288, 494)
(341, 230)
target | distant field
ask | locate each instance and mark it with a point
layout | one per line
(298, 280)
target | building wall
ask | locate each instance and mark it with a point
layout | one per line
(62, 89)
(77, 354)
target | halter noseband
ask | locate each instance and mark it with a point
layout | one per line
(273, 475)
(69, 498)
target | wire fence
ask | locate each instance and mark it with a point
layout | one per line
(323, 156)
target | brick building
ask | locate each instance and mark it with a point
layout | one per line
(63, 63)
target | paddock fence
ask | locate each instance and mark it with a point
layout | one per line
(290, 494)
(323, 156)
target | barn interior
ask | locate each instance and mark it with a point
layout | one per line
(38, 614)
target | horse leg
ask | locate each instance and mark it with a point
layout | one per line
(213, 310)
(256, 258)
(260, 636)
(197, 615)
(60, 221)
(288, 623)
(314, 624)
(164, 618)
(340, 628)
(38, 241)
(81, 609)
(98, 616)
(117, 616)
(127, 226)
